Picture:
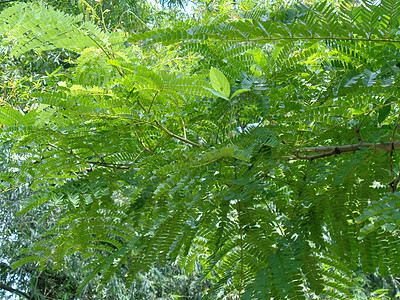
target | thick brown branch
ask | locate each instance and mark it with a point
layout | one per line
(15, 291)
(176, 136)
(333, 150)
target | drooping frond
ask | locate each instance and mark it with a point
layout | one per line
(366, 22)
(37, 27)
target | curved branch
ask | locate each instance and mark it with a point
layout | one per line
(177, 136)
(15, 291)
(312, 157)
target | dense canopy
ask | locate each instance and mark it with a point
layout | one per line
(257, 146)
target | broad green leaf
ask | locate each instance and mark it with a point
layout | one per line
(219, 82)
(239, 92)
(383, 113)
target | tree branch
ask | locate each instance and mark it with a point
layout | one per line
(98, 163)
(15, 291)
(334, 150)
(312, 157)
(176, 136)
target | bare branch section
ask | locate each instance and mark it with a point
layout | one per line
(321, 152)
(15, 291)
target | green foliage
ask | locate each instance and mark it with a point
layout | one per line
(147, 161)
(40, 28)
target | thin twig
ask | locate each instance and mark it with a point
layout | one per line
(137, 101)
(184, 129)
(152, 100)
(357, 130)
(141, 105)
(103, 164)
(131, 12)
(148, 143)
(141, 142)
(176, 136)
(242, 127)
